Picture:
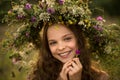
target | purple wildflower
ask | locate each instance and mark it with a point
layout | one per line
(28, 6)
(61, 2)
(50, 10)
(98, 28)
(77, 52)
(33, 19)
(99, 18)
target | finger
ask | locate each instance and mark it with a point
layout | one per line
(71, 71)
(74, 65)
(77, 61)
(67, 70)
(65, 66)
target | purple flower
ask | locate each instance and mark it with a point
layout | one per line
(33, 19)
(28, 6)
(61, 2)
(77, 52)
(98, 28)
(99, 18)
(50, 10)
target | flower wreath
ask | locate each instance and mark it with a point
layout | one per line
(28, 15)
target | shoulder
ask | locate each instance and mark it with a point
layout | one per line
(100, 74)
(103, 76)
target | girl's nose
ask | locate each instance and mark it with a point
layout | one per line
(61, 46)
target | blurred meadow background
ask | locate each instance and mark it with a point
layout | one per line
(109, 9)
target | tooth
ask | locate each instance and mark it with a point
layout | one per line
(63, 54)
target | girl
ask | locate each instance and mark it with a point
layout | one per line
(59, 59)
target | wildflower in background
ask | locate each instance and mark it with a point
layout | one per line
(28, 6)
(14, 61)
(81, 23)
(99, 18)
(20, 16)
(27, 34)
(98, 28)
(86, 21)
(10, 11)
(70, 22)
(33, 19)
(44, 16)
(50, 10)
(61, 2)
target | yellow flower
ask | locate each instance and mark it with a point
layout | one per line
(89, 24)
(86, 21)
(9, 12)
(70, 22)
(60, 17)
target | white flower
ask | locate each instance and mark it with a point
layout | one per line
(50, 3)
(108, 49)
(81, 23)
(44, 16)
(16, 7)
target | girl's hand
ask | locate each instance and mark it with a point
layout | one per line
(64, 71)
(75, 69)
(71, 69)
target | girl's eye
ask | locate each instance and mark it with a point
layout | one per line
(68, 38)
(52, 43)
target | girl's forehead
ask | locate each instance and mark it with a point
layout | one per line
(58, 31)
(58, 28)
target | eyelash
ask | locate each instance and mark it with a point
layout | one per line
(68, 38)
(52, 43)
(65, 39)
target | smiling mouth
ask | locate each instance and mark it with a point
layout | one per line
(65, 54)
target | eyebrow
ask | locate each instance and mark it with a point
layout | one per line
(62, 36)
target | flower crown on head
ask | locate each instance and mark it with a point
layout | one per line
(53, 11)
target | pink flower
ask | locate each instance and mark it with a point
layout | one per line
(50, 10)
(77, 52)
(28, 6)
(61, 2)
(20, 16)
(99, 18)
(98, 28)
(33, 19)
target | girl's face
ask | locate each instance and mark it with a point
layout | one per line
(62, 42)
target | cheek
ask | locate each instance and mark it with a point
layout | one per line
(52, 50)
(73, 44)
